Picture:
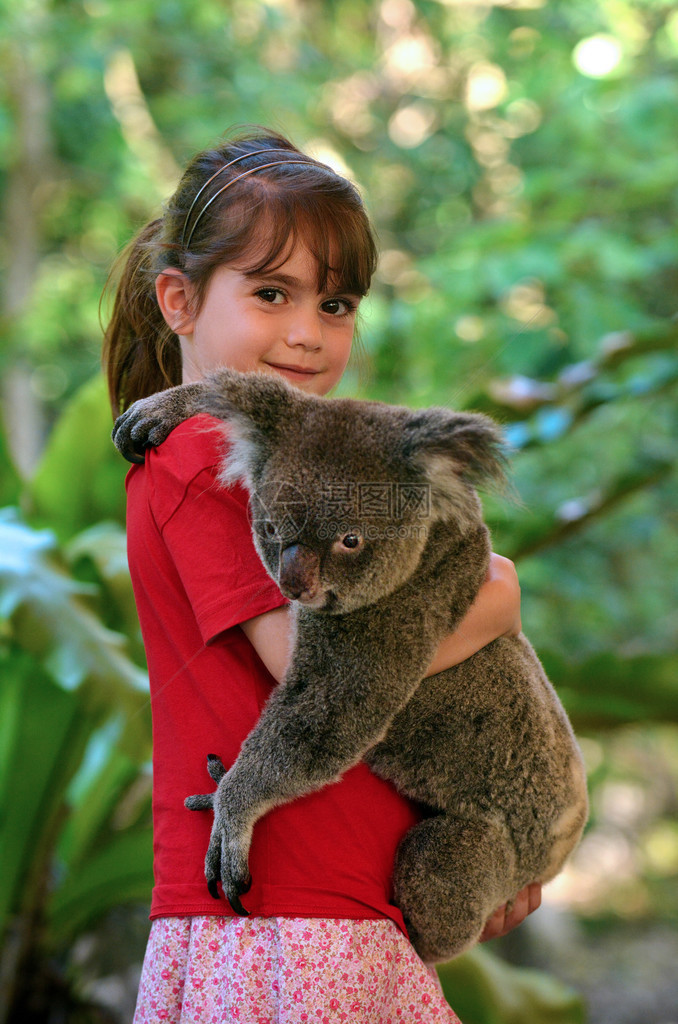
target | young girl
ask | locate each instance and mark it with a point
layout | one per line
(259, 263)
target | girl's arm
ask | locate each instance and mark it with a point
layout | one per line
(494, 613)
(271, 635)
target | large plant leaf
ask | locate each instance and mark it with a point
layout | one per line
(43, 735)
(50, 619)
(80, 478)
(104, 545)
(121, 871)
(484, 990)
(105, 776)
(10, 484)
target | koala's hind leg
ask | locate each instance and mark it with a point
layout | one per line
(450, 876)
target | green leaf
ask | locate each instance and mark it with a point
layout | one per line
(105, 546)
(484, 990)
(80, 478)
(10, 484)
(50, 620)
(122, 871)
(43, 735)
(104, 776)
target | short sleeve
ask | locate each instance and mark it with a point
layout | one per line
(206, 529)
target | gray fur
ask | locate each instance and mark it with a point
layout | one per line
(486, 746)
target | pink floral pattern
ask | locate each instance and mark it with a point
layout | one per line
(288, 970)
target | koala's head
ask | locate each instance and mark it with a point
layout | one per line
(345, 493)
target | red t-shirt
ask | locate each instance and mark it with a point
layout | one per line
(196, 576)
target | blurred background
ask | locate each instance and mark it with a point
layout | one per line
(519, 160)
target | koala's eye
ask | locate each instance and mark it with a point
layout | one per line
(349, 542)
(270, 530)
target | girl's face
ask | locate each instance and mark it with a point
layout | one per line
(274, 322)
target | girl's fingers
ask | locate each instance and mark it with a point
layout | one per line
(495, 925)
(534, 897)
(504, 920)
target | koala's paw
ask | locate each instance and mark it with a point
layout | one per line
(147, 423)
(227, 853)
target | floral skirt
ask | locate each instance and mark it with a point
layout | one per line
(262, 970)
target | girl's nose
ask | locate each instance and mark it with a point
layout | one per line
(304, 328)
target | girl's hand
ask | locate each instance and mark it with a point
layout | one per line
(494, 613)
(505, 599)
(504, 920)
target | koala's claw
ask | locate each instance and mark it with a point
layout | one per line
(236, 904)
(237, 907)
(233, 889)
(234, 899)
(123, 439)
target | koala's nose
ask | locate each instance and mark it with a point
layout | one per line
(298, 571)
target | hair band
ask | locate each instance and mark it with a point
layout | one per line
(244, 174)
(224, 167)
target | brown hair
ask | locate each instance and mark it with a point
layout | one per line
(253, 221)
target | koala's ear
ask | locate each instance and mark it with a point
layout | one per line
(454, 449)
(256, 406)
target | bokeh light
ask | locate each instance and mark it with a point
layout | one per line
(597, 56)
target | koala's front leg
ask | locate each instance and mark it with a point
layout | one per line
(149, 420)
(338, 699)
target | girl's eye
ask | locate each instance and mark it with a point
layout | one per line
(338, 307)
(272, 295)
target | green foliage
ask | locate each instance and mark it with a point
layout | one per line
(42, 743)
(80, 477)
(48, 617)
(74, 739)
(9, 480)
(483, 990)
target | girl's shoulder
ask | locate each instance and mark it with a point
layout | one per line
(183, 472)
(197, 444)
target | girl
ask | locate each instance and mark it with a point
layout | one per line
(259, 263)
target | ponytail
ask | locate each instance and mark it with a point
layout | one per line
(141, 353)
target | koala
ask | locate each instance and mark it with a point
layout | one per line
(367, 517)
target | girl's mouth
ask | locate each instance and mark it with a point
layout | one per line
(294, 373)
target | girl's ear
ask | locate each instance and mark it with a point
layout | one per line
(174, 293)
